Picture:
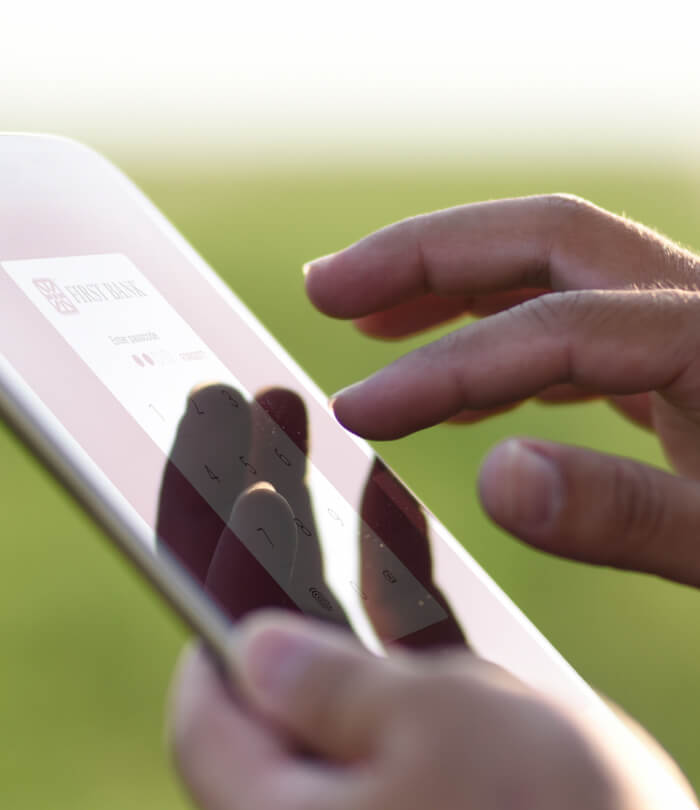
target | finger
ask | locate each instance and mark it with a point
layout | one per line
(601, 509)
(621, 342)
(232, 760)
(255, 554)
(287, 410)
(203, 475)
(555, 242)
(429, 310)
(215, 741)
(390, 510)
(636, 407)
(279, 450)
(426, 311)
(314, 681)
(554, 395)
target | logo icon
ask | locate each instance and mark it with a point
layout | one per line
(55, 296)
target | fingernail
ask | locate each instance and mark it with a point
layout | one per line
(276, 659)
(521, 487)
(317, 264)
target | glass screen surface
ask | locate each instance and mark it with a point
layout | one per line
(216, 439)
(238, 470)
(211, 433)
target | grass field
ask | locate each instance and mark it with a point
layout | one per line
(87, 651)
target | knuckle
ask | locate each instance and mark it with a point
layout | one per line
(568, 215)
(545, 311)
(554, 313)
(565, 204)
(575, 322)
(568, 222)
(564, 214)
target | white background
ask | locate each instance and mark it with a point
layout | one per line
(282, 77)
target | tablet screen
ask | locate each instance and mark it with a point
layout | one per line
(213, 435)
(229, 473)
(219, 446)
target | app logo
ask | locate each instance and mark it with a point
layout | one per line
(55, 296)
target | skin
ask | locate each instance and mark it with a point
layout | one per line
(577, 303)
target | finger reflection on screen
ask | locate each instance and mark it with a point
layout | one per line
(203, 475)
(234, 507)
(236, 510)
(390, 510)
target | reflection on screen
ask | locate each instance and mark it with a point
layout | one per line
(241, 504)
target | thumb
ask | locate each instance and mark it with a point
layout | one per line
(314, 681)
(588, 506)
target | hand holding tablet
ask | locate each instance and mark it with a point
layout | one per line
(216, 465)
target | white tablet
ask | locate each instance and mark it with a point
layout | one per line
(203, 449)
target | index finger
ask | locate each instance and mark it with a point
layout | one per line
(621, 343)
(557, 242)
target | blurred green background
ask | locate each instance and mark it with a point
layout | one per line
(88, 650)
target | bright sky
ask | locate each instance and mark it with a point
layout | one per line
(321, 75)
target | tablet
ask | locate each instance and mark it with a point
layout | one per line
(202, 448)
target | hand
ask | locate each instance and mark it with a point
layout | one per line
(578, 303)
(446, 731)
